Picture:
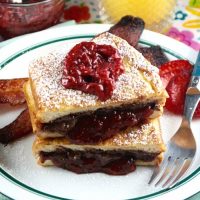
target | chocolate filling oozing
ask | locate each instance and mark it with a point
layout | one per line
(113, 162)
(95, 126)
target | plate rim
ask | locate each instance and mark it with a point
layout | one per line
(12, 179)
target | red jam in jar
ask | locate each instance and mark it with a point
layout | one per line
(93, 69)
(20, 1)
(28, 16)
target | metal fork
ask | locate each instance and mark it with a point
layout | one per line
(181, 148)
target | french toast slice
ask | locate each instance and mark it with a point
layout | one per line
(139, 84)
(41, 129)
(141, 145)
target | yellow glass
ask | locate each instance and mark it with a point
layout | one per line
(157, 14)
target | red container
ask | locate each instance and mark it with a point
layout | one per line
(29, 16)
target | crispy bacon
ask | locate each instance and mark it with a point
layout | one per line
(11, 91)
(154, 55)
(17, 129)
(129, 28)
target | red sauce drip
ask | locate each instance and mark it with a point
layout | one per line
(93, 69)
(92, 129)
(119, 166)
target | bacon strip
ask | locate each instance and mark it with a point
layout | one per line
(11, 91)
(154, 55)
(17, 129)
(129, 28)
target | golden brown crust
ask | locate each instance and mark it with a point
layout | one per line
(140, 83)
(31, 106)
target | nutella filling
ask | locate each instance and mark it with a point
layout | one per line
(113, 162)
(95, 126)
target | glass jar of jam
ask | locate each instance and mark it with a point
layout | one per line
(19, 17)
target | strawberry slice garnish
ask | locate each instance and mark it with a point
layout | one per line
(175, 76)
(174, 68)
(176, 89)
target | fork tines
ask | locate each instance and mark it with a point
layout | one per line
(172, 169)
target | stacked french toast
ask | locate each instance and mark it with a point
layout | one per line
(96, 108)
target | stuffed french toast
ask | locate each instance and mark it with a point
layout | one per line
(95, 107)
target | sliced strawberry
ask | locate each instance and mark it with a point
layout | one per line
(174, 68)
(176, 89)
(176, 76)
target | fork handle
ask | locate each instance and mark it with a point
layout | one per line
(191, 102)
(193, 92)
(196, 70)
(195, 79)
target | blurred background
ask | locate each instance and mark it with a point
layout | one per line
(179, 19)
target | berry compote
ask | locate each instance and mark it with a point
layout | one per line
(93, 69)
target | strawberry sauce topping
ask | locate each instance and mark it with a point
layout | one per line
(175, 76)
(93, 69)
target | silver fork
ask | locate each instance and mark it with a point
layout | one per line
(181, 148)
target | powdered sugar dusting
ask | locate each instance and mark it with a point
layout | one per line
(134, 58)
(46, 73)
(146, 134)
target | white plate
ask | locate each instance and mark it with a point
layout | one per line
(20, 176)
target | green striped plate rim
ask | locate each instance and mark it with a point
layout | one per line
(4, 174)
